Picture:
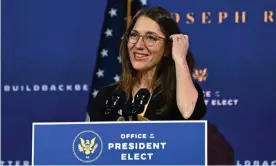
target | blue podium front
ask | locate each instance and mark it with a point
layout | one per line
(120, 143)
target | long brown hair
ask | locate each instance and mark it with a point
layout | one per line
(165, 76)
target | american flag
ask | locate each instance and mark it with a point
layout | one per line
(108, 66)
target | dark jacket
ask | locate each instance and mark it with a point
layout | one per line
(219, 150)
(96, 108)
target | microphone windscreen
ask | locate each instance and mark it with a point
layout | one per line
(143, 92)
(120, 93)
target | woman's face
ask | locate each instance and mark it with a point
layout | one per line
(144, 45)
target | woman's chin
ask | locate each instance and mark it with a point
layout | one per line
(139, 66)
(142, 68)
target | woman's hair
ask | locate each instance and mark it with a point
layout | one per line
(165, 77)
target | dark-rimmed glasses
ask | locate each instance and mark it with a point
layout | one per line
(148, 39)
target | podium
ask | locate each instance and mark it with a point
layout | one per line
(120, 143)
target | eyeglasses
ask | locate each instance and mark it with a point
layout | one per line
(148, 39)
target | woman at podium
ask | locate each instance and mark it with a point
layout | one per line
(156, 81)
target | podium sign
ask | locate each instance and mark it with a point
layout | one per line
(120, 143)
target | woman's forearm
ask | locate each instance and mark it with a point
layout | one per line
(186, 93)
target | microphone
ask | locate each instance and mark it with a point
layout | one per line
(113, 104)
(140, 100)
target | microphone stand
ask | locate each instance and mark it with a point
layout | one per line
(132, 115)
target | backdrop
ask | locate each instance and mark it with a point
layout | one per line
(49, 52)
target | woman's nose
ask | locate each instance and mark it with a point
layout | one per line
(140, 43)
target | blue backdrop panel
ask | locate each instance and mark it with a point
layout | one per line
(239, 55)
(49, 50)
(50, 44)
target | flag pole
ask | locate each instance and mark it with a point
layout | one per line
(128, 17)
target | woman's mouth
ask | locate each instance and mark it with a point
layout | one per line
(140, 56)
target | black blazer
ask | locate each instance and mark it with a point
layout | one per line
(220, 151)
(96, 106)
